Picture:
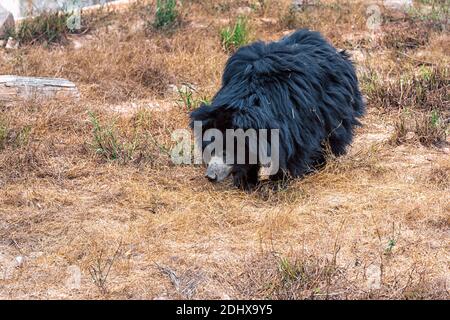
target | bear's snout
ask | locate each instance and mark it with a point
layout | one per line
(211, 176)
(217, 169)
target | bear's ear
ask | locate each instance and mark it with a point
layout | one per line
(204, 113)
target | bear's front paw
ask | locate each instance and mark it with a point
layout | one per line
(241, 180)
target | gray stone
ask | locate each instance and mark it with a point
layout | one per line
(269, 20)
(398, 4)
(12, 43)
(6, 21)
(17, 89)
(300, 4)
(244, 11)
(297, 4)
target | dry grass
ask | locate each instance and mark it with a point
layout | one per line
(427, 128)
(372, 224)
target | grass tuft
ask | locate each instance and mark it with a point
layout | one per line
(130, 143)
(106, 143)
(188, 99)
(166, 14)
(47, 28)
(4, 129)
(428, 128)
(424, 88)
(236, 36)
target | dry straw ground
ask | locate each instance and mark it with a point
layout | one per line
(92, 207)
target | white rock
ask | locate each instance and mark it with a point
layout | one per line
(37, 254)
(198, 25)
(410, 135)
(298, 4)
(398, 4)
(18, 261)
(188, 87)
(17, 89)
(434, 244)
(269, 20)
(12, 44)
(73, 281)
(225, 296)
(373, 275)
(77, 44)
(172, 88)
(244, 11)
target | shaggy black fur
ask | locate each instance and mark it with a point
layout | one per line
(300, 85)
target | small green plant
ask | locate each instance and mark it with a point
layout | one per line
(131, 143)
(290, 271)
(426, 73)
(166, 14)
(304, 276)
(13, 137)
(106, 142)
(23, 137)
(234, 37)
(187, 99)
(390, 246)
(48, 27)
(435, 119)
(4, 129)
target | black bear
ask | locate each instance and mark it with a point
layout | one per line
(301, 86)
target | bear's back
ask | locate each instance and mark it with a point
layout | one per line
(297, 52)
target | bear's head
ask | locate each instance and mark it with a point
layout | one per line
(231, 141)
(212, 123)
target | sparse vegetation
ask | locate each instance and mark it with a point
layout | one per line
(423, 88)
(292, 18)
(436, 11)
(101, 268)
(3, 132)
(235, 36)
(13, 137)
(166, 14)
(188, 98)
(304, 279)
(133, 145)
(427, 128)
(47, 28)
(106, 143)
